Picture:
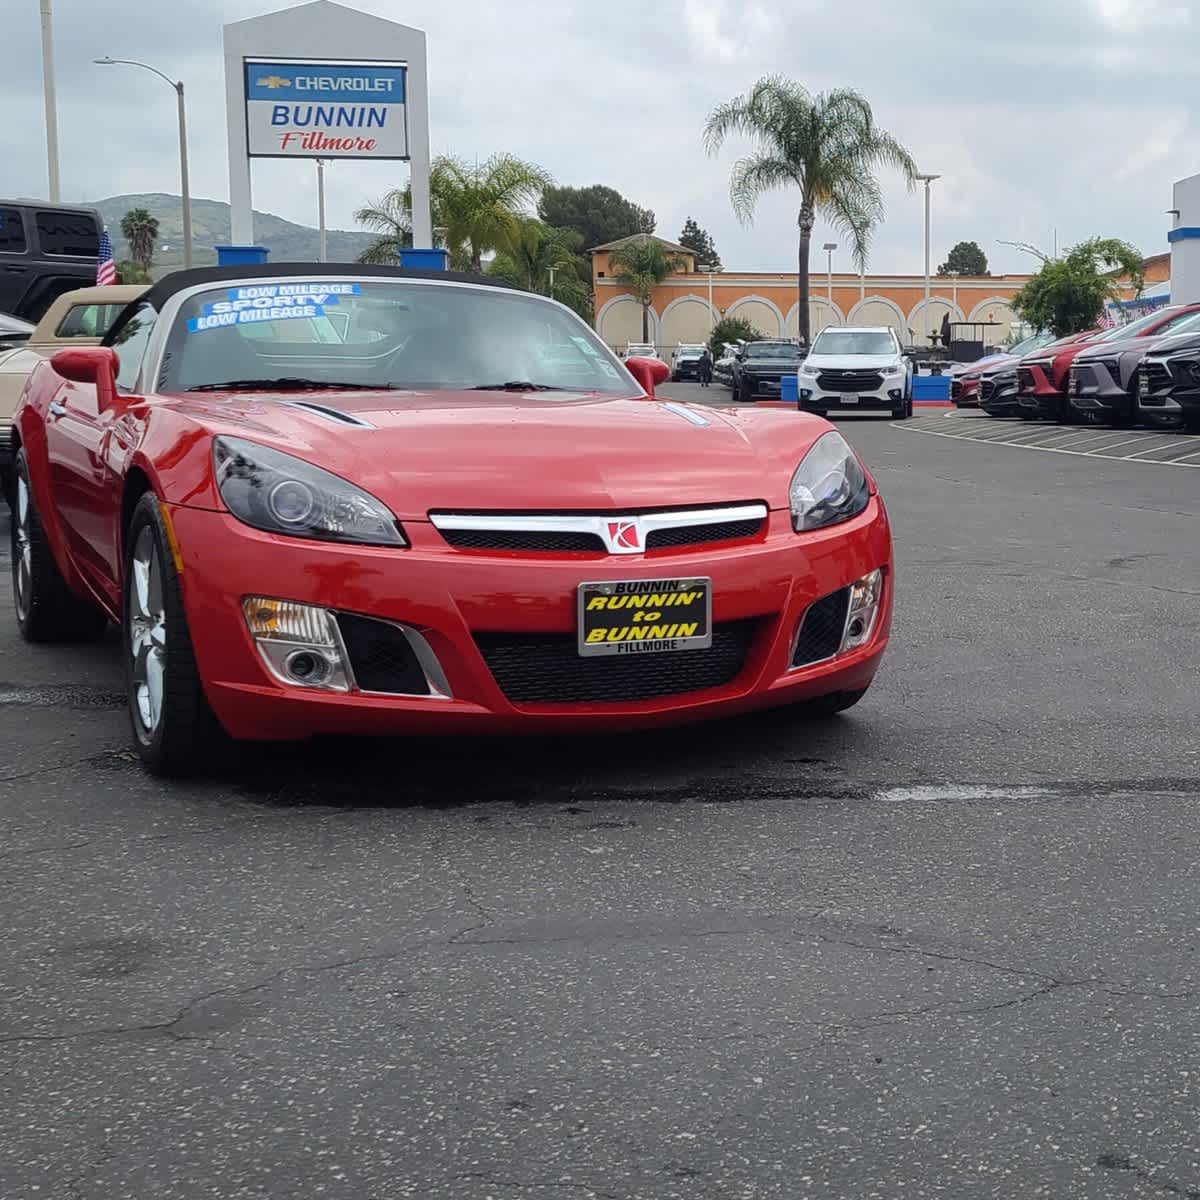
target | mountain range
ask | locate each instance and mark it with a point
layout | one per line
(287, 241)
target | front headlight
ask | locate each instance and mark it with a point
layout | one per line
(805, 369)
(829, 485)
(281, 494)
(895, 369)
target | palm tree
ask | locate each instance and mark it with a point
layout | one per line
(480, 206)
(390, 218)
(140, 230)
(641, 263)
(828, 146)
(536, 254)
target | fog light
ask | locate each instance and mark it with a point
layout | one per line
(865, 595)
(894, 394)
(299, 643)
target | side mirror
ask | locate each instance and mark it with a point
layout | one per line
(96, 365)
(649, 372)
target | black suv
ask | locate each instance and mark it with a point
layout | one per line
(759, 367)
(45, 250)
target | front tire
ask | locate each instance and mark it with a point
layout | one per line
(173, 726)
(47, 609)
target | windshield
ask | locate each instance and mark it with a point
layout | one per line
(835, 341)
(1136, 328)
(1030, 343)
(383, 334)
(772, 350)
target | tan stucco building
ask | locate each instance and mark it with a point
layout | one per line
(680, 309)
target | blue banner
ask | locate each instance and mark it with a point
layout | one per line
(321, 83)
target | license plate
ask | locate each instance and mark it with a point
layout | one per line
(650, 616)
(849, 399)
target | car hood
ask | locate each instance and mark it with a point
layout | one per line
(851, 362)
(997, 366)
(1123, 346)
(1172, 343)
(420, 452)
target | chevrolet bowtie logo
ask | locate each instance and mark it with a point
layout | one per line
(273, 81)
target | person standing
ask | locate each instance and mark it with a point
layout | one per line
(704, 368)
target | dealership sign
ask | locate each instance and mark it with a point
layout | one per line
(300, 109)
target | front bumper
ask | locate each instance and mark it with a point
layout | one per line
(452, 597)
(1001, 400)
(815, 398)
(1175, 402)
(1093, 389)
(687, 370)
(764, 385)
(1037, 391)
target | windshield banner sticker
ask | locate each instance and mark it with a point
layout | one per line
(270, 302)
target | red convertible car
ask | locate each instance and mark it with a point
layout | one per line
(360, 500)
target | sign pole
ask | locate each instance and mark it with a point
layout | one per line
(51, 100)
(321, 208)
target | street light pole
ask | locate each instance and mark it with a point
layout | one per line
(829, 248)
(184, 184)
(52, 180)
(927, 180)
(324, 255)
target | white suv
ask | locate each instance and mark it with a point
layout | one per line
(856, 369)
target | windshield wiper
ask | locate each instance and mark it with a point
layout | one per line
(518, 385)
(287, 383)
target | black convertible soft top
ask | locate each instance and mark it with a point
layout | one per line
(179, 281)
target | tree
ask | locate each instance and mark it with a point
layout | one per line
(965, 259)
(475, 209)
(598, 214)
(698, 241)
(730, 329)
(480, 206)
(542, 259)
(826, 146)
(129, 271)
(140, 231)
(1067, 295)
(641, 264)
(390, 217)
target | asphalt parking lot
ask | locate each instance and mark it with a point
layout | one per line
(1171, 446)
(944, 945)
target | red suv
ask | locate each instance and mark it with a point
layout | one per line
(1043, 376)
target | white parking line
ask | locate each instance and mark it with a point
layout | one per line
(1185, 457)
(1164, 444)
(915, 427)
(1127, 442)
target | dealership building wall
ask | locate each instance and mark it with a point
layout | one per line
(680, 312)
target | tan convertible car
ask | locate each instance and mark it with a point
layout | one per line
(79, 318)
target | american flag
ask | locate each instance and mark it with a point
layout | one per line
(1106, 319)
(106, 268)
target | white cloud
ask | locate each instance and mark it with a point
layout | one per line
(1071, 115)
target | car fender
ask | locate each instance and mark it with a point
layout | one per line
(42, 386)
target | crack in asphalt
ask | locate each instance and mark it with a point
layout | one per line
(1148, 1175)
(169, 1028)
(527, 1184)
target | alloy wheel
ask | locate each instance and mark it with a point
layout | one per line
(147, 633)
(22, 549)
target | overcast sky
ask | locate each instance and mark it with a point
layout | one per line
(1039, 114)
